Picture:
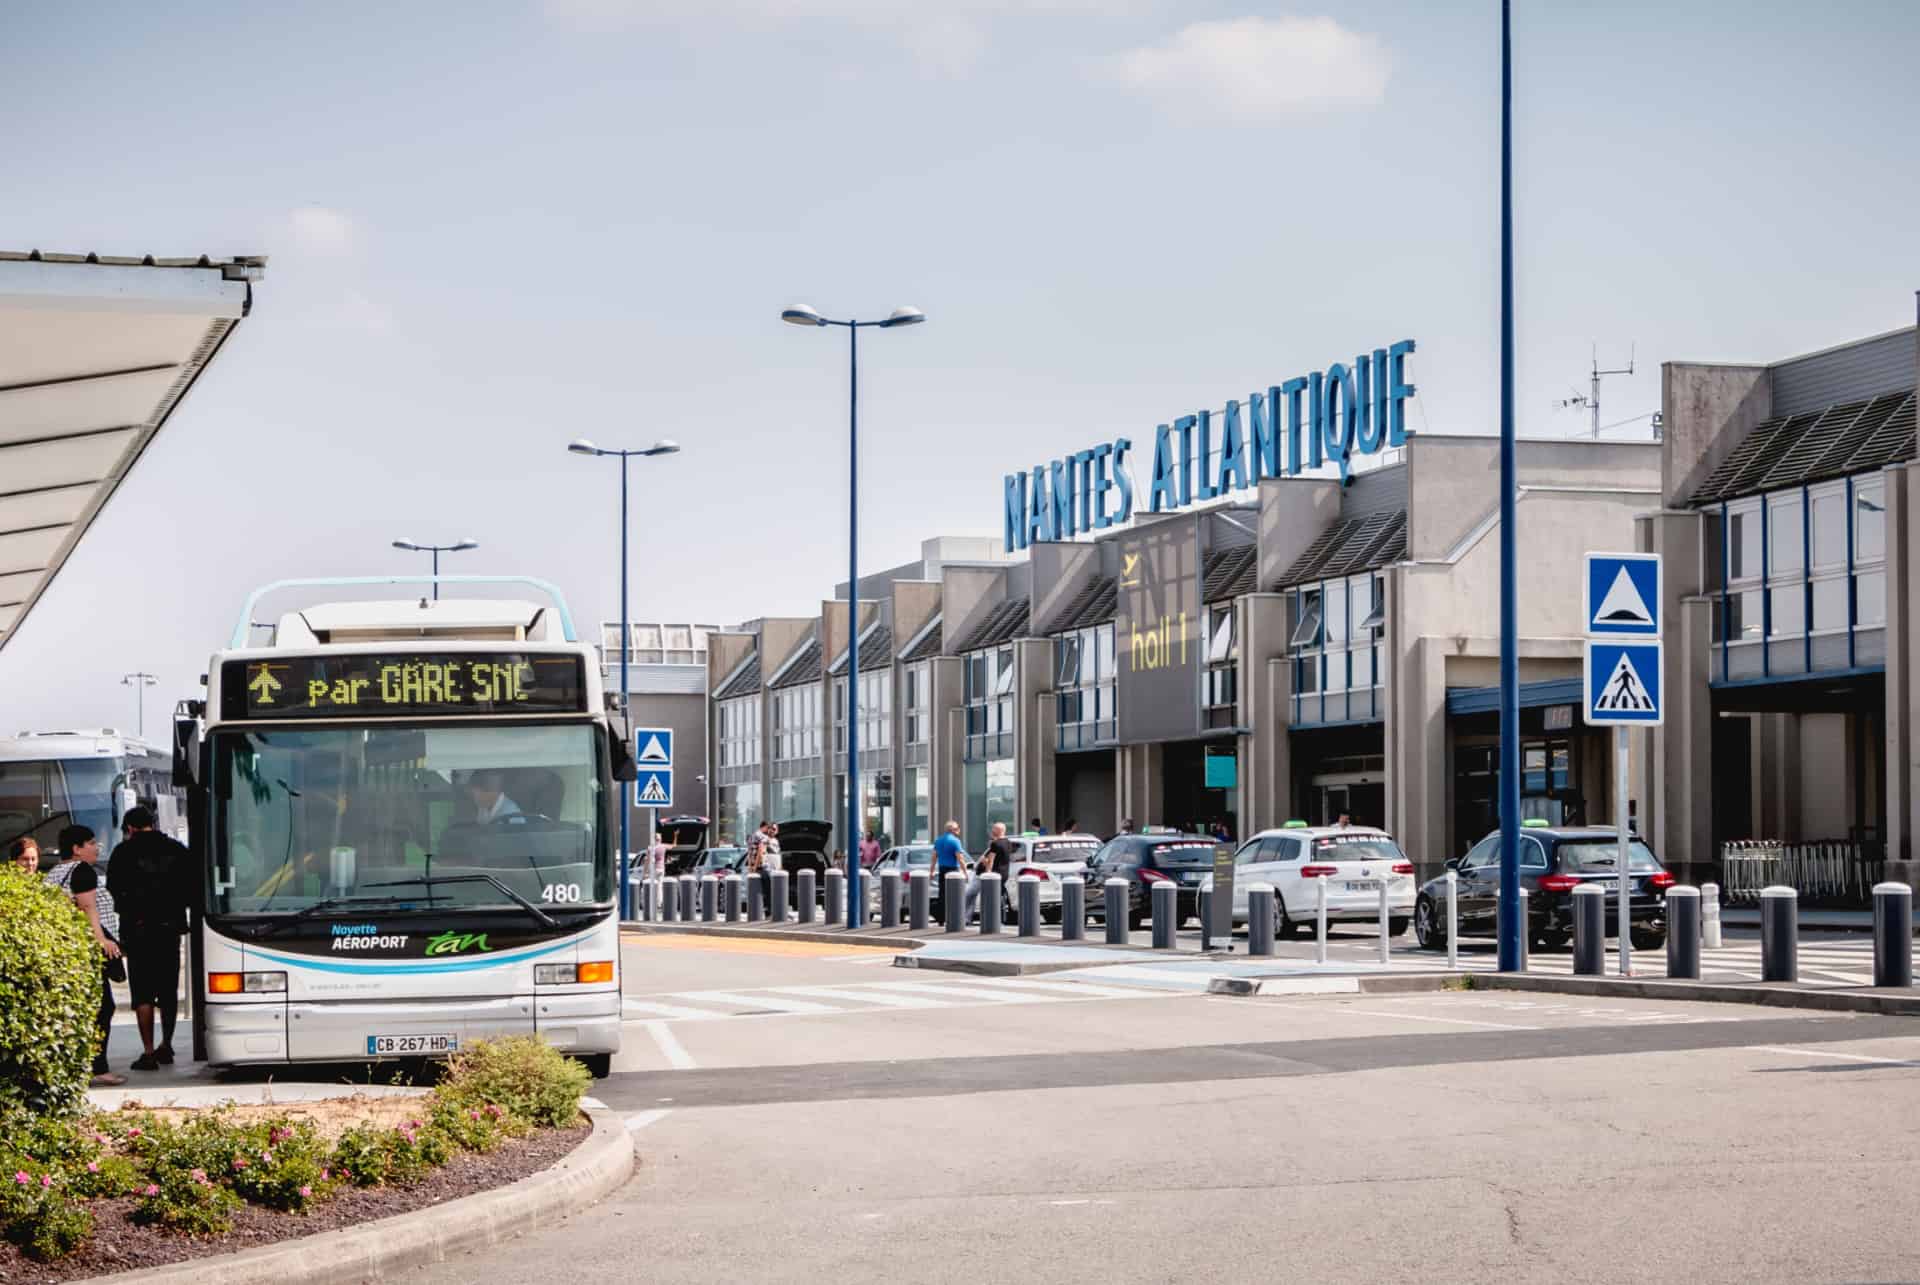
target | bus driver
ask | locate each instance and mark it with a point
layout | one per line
(489, 804)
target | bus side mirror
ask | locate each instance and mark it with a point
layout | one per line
(624, 766)
(186, 751)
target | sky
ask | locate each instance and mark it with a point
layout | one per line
(496, 226)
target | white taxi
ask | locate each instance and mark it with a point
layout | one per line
(1049, 858)
(1354, 859)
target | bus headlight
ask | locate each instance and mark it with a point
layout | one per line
(553, 974)
(247, 983)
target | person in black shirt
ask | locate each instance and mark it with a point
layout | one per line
(148, 880)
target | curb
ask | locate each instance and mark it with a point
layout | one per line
(1768, 996)
(372, 1250)
(825, 937)
(985, 967)
(1306, 985)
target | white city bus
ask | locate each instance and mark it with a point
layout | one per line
(404, 816)
(51, 780)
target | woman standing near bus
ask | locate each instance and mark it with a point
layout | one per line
(77, 877)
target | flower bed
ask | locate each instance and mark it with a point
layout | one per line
(97, 1191)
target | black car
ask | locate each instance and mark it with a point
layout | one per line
(1144, 860)
(803, 846)
(1554, 860)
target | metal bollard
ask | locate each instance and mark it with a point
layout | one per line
(836, 897)
(1073, 908)
(1710, 915)
(1115, 909)
(1260, 919)
(803, 895)
(1029, 886)
(1892, 934)
(1385, 941)
(990, 903)
(1320, 926)
(669, 900)
(953, 901)
(1589, 930)
(777, 912)
(1526, 930)
(730, 898)
(756, 890)
(889, 898)
(709, 898)
(919, 894)
(689, 895)
(1453, 920)
(1205, 899)
(1683, 933)
(1779, 934)
(1166, 908)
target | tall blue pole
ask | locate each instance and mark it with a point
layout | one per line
(1510, 925)
(625, 712)
(856, 903)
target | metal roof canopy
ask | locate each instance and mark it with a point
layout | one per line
(95, 354)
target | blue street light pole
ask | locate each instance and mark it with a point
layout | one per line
(805, 316)
(1510, 926)
(581, 446)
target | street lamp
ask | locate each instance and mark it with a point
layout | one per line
(436, 550)
(805, 316)
(140, 680)
(581, 446)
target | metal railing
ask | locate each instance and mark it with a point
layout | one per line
(1833, 872)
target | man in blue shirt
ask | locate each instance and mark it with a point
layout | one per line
(948, 854)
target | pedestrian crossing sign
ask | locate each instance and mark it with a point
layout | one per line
(1623, 683)
(654, 789)
(1623, 595)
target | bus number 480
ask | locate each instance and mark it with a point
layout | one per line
(560, 892)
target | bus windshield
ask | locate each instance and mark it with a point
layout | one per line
(41, 797)
(426, 818)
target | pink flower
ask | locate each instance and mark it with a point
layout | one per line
(153, 1189)
(133, 1133)
(266, 1157)
(324, 1175)
(413, 1124)
(475, 1113)
(306, 1191)
(22, 1177)
(46, 1180)
(99, 1137)
(239, 1163)
(199, 1176)
(93, 1166)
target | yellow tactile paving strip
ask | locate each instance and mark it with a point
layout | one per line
(748, 945)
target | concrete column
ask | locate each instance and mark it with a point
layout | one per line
(1142, 796)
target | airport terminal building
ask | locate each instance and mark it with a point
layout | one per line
(1300, 620)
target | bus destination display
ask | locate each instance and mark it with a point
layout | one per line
(392, 686)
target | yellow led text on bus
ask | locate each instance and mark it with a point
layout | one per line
(426, 682)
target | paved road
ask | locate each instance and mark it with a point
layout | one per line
(1133, 1134)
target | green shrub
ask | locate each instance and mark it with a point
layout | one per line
(187, 1200)
(49, 991)
(40, 1215)
(474, 1128)
(359, 1157)
(523, 1075)
(278, 1163)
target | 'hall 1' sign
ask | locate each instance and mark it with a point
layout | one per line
(1308, 422)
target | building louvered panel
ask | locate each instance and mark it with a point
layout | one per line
(1768, 451)
(1305, 566)
(1812, 442)
(876, 650)
(1834, 462)
(1351, 547)
(1722, 482)
(804, 667)
(1360, 552)
(1228, 573)
(1095, 606)
(926, 646)
(1003, 624)
(1891, 443)
(744, 683)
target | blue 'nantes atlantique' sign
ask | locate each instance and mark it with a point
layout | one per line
(1327, 417)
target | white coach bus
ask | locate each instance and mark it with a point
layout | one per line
(403, 813)
(51, 780)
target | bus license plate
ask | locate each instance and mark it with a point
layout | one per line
(411, 1045)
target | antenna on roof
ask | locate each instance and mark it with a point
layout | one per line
(1591, 401)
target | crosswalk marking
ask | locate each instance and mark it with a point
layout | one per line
(868, 997)
(950, 989)
(1055, 988)
(861, 997)
(651, 1008)
(760, 1000)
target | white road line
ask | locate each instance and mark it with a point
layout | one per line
(1417, 1017)
(861, 995)
(954, 990)
(1056, 988)
(641, 1119)
(1122, 972)
(1845, 1057)
(669, 1045)
(652, 1010)
(755, 1000)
